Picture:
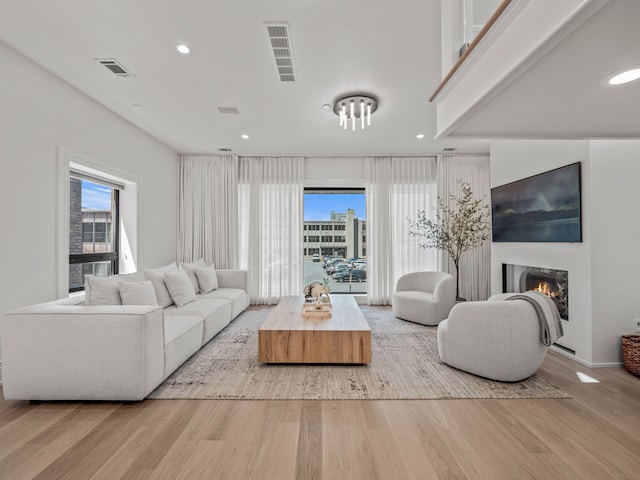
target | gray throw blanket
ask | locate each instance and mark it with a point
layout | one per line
(548, 315)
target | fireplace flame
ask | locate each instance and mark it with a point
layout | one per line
(543, 287)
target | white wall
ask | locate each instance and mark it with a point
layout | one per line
(615, 250)
(334, 171)
(39, 113)
(515, 159)
(603, 278)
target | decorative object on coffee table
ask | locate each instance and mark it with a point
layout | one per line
(317, 289)
(316, 310)
(631, 353)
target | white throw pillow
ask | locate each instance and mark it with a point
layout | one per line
(190, 270)
(180, 287)
(172, 267)
(162, 294)
(207, 279)
(131, 277)
(138, 293)
(102, 290)
(199, 263)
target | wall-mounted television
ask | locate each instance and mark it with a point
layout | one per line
(542, 208)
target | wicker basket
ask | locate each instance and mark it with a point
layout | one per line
(631, 353)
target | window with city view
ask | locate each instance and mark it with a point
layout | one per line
(335, 239)
(93, 232)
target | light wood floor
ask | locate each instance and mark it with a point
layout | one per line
(594, 435)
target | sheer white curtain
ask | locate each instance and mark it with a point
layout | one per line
(475, 265)
(379, 245)
(208, 209)
(397, 188)
(270, 225)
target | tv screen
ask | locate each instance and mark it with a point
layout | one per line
(542, 208)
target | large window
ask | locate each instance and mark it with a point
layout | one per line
(93, 229)
(331, 210)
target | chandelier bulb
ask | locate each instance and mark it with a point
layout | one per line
(347, 109)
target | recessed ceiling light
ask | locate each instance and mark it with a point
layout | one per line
(326, 106)
(184, 49)
(137, 105)
(625, 77)
(420, 136)
(245, 136)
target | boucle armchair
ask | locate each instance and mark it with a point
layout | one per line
(497, 339)
(424, 297)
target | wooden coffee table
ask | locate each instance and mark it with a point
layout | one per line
(286, 337)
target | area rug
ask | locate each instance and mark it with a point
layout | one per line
(405, 365)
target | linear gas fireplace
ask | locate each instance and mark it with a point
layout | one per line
(553, 283)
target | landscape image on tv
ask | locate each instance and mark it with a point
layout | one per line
(542, 208)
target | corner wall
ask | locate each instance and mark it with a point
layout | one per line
(603, 269)
(40, 114)
(615, 240)
(516, 159)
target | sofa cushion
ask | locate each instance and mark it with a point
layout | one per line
(131, 277)
(180, 287)
(190, 270)
(105, 294)
(171, 267)
(157, 279)
(215, 313)
(207, 279)
(182, 338)
(102, 290)
(238, 298)
(138, 293)
(199, 263)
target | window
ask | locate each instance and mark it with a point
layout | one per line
(93, 228)
(339, 215)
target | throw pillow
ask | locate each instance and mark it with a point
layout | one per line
(162, 294)
(190, 270)
(138, 293)
(102, 290)
(207, 279)
(131, 277)
(172, 267)
(180, 287)
(199, 263)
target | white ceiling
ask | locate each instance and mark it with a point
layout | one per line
(563, 94)
(390, 49)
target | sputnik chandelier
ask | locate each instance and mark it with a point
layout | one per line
(355, 109)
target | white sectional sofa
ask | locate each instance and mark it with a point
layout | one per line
(68, 350)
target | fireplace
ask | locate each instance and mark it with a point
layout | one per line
(553, 283)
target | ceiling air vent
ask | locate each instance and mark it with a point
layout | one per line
(115, 67)
(224, 149)
(282, 50)
(228, 110)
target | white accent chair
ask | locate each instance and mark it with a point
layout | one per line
(424, 297)
(497, 339)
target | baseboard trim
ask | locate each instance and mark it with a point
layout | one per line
(567, 352)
